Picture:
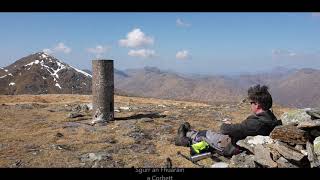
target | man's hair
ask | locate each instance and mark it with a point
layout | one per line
(261, 95)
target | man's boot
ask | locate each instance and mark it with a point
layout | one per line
(181, 138)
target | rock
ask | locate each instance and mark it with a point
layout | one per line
(76, 108)
(309, 124)
(275, 155)
(251, 141)
(74, 115)
(242, 160)
(147, 120)
(24, 106)
(262, 156)
(314, 113)
(112, 141)
(316, 146)
(98, 156)
(59, 135)
(304, 152)
(62, 147)
(299, 147)
(289, 134)
(283, 163)
(34, 149)
(84, 107)
(89, 105)
(314, 132)
(148, 148)
(312, 157)
(16, 164)
(80, 108)
(288, 152)
(139, 135)
(294, 116)
(220, 165)
(166, 128)
(71, 125)
(125, 108)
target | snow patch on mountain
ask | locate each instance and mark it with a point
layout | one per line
(34, 62)
(84, 73)
(58, 85)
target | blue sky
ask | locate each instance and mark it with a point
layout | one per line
(202, 43)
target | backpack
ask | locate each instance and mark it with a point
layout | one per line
(209, 141)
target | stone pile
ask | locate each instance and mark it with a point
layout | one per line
(294, 144)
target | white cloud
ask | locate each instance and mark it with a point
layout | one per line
(136, 38)
(180, 23)
(48, 51)
(99, 50)
(184, 54)
(144, 53)
(279, 52)
(60, 47)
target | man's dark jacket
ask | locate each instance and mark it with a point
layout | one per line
(258, 124)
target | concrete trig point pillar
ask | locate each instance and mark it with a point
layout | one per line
(102, 91)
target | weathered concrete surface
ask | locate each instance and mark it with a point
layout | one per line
(102, 91)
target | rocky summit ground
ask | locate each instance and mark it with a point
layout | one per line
(55, 131)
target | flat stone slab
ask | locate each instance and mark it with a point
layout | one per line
(294, 116)
(316, 146)
(251, 141)
(309, 124)
(312, 157)
(288, 152)
(289, 134)
(283, 163)
(262, 156)
(314, 113)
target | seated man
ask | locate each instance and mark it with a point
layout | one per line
(262, 122)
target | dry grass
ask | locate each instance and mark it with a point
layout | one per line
(29, 125)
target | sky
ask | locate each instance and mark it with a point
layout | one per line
(197, 43)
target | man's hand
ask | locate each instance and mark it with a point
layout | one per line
(226, 121)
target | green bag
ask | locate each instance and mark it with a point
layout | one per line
(199, 148)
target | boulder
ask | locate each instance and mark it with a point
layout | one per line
(314, 113)
(309, 124)
(283, 163)
(288, 152)
(290, 134)
(242, 160)
(294, 116)
(262, 156)
(251, 141)
(312, 157)
(316, 146)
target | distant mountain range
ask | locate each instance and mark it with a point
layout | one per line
(40, 73)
